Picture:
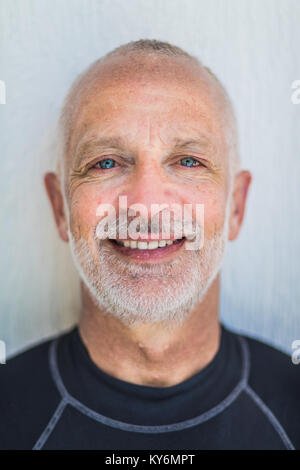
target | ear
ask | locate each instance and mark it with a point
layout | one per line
(55, 196)
(238, 203)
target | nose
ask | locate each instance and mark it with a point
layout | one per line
(149, 185)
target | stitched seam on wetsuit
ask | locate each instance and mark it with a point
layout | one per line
(271, 417)
(152, 429)
(51, 425)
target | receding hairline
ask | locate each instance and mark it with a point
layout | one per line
(135, 52)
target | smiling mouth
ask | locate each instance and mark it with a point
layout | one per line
(147, 250)
(144, 245)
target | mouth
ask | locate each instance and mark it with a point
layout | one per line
(147, 250)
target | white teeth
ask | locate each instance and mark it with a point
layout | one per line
(152, 245)
(142, 245)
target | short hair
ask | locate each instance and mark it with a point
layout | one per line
(146, 47)
(150, 45)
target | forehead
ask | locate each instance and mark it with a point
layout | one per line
(160, 103)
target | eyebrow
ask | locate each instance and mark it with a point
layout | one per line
(200, 141)
(96, 144)
(119, 143)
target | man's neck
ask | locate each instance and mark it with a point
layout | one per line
(152, 355)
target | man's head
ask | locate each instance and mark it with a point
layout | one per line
(150, 123)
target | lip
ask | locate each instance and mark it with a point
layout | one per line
(148, 255)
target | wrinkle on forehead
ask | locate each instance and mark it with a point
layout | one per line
(135, 69)
(157, 116)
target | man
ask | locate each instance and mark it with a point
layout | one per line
(148, 130)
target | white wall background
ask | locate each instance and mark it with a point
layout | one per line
(253, 46)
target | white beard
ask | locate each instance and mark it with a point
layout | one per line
(148, 293)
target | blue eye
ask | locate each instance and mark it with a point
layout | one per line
(189, 161)
(106, 163)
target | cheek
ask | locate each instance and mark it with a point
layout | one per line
(214, 216)
(214, 205)
(83, 211)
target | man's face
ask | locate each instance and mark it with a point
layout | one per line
(161, 142)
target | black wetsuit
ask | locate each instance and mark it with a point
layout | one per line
(53, 396)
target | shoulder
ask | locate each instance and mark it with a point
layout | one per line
(28, 396)
(271, 367)
(274, 385)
